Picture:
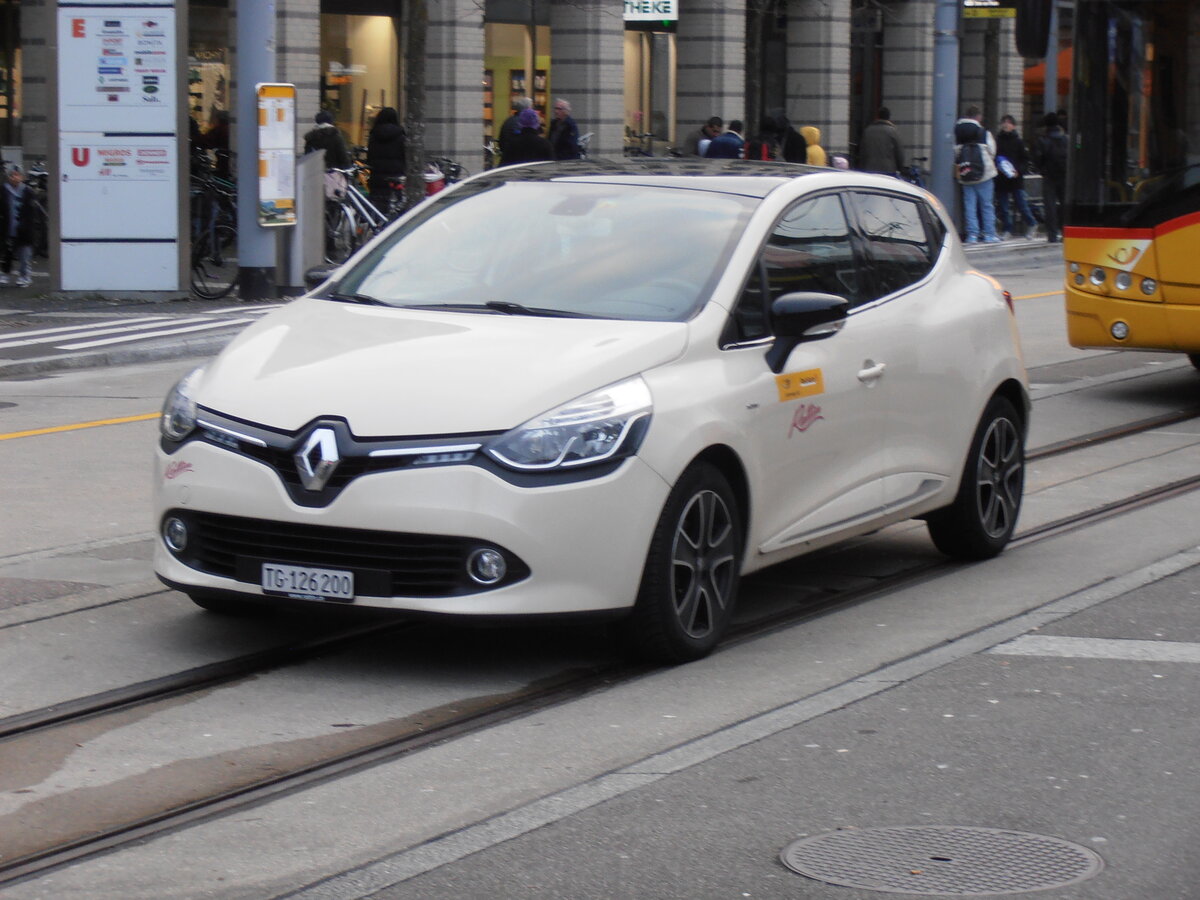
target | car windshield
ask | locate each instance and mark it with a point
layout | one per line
(557, 248)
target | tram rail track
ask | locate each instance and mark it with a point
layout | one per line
(516, 705)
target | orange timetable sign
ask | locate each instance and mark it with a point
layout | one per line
(276, 154)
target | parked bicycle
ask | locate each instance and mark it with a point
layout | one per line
(351, 219)
(914, 173)
(214, 259)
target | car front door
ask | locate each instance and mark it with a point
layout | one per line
(816, 423)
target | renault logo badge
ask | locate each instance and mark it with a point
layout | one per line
(317, 459)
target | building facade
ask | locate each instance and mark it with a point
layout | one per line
(828, 63)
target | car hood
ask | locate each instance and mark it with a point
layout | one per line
(401, 372)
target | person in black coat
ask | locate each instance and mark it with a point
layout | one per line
(385, 156)
(564, 133)
(527, 145)
(1010, 186)
(16, 226)
(325, 136)
(511, 128)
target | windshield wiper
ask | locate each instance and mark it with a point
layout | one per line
(518, 309)
(356, 298)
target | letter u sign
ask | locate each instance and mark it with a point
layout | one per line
(80, 155)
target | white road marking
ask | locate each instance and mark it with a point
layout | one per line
(46, 335)
(141, 336)
(1099, 648)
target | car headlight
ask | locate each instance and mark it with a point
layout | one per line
(179, 409)
(590, 429)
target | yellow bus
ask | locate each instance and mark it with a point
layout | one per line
(1131, 216)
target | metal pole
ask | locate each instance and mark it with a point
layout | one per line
(946, 22)
(1050, 88)
(255, 64)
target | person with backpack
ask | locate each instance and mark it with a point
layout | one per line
(1050, 156)
(975, 171)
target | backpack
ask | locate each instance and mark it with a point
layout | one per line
(969, 163)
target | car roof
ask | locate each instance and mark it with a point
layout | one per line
(751, 178)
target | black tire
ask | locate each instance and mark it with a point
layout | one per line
(689, 585)
(214, 262)
(341, 236)
(980, 521)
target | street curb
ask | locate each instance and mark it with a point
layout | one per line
(181, 349)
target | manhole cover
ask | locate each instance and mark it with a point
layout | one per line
(947, 860)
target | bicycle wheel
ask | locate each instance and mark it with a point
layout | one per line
(341, 234)
(214, 263)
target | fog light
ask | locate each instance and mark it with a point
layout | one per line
(1074, 267)
(175, 534)
(1123, 281)
(1098, 275)
(1149, 286)
(1079, 279)
(1119, 330)
(486, 566)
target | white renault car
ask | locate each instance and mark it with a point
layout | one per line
(601, 388)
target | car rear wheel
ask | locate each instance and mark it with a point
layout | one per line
(690, 582)
(980, 521)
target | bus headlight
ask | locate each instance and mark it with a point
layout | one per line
(1098, 276)
(1123, 281)
(1074, 267)
(1119, 330)
(1149, 286)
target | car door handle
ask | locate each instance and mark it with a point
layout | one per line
(872, 372)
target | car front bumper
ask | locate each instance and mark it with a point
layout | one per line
(581, 545)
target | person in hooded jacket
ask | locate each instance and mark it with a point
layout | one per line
(1010, 185)
(527, 145)
(815, 155)
(325, 136)
(385, 156)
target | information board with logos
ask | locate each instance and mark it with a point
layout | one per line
(118, 146)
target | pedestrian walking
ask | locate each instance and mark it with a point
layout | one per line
(564, 133)
(975, 171)
(16, 214)
(326, 136)
(879, 148)
(814, 153)
(510, 129)
(792, 147)
(528, 145)
(728, 145)
(696, 142)
(385, 156)
(1012, 162)
(764, 145)
(1050, 157)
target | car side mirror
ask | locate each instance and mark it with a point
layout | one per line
(318, 275)
(803, 316)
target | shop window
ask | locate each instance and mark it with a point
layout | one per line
(360, 70)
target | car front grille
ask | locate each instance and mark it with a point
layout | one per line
(386, 563)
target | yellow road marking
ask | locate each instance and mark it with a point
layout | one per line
(1035, 296)
(144, 417)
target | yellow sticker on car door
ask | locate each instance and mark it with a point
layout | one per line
(794, 385)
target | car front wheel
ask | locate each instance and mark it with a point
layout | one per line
(980, 521)
(690, 582)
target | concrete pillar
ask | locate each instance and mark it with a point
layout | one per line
(818, 69)
(908, 72)
(454, 82)
(38, 22)
(710, 62)
(298, 57)
(587, 55)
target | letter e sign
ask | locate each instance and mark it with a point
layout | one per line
(77, 28)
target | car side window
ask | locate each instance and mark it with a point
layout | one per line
(809, 249)
(901, 248)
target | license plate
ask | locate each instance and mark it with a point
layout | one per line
(306, 583)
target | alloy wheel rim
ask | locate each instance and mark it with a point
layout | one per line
(1000, 476)
(702, 564)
